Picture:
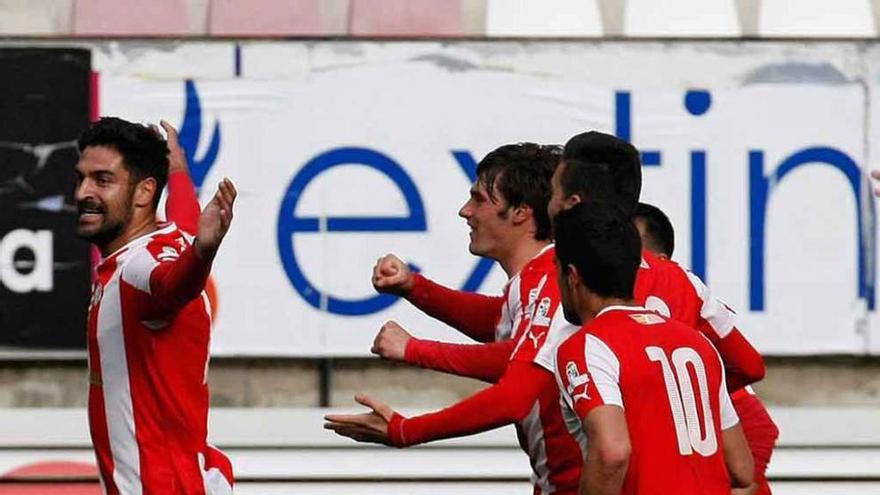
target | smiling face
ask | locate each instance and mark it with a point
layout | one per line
(488, 216)
(104, 193)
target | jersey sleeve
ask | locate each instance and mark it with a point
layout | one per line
(168, 276)
(472, 314)
(588, 375)
(729, 417)
(506, 402)
(182, 205)
(485, 362)
(743, 363)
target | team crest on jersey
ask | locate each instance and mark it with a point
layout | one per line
(168, 253)
(578, 383)
(647, 319)
(542, 313)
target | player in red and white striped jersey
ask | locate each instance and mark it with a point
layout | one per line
(149, 323)
(658, 237)
(650, 392)
(507, 224)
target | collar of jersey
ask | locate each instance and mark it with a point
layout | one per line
(163, 230)
(620, 307)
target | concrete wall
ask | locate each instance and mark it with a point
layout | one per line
(297, 383)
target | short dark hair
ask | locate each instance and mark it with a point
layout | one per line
(590, 154)
(660, 234)
(144, 152)
(601, 241)
(522, 173)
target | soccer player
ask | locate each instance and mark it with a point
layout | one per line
(508, 219)
(761, 432)
(149, 324)
(655, 230)
(649, 391)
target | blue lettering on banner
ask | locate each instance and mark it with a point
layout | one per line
(191, 130)
(695, 102)
(289, 224)
(760, 187)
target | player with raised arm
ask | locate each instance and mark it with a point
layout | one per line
(507, 224)
(649, 391)
(658, 236)
(149, 322)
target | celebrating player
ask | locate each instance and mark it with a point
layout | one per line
(149, 323)
(623, 367)
(508, 219)
(761, 432)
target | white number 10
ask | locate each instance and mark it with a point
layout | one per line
(691, 435)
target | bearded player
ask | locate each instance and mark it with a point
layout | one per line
(149, 323)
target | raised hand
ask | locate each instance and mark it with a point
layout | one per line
(391, 341)
(215, 220)
(371, 427)
(392, 276)
(176, 154)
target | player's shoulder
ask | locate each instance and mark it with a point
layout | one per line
(167, 243)
(572, 347)
(162, 245)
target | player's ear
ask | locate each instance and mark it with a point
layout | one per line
(522, 213)
(572, 200)
(144, 192)
(573, 276)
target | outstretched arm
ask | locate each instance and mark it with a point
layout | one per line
(474, 315)
(509, 401)
(174, 283)
(485, 362)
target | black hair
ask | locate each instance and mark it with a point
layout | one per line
(144, 152)
(660, 234)
(589, 155)
(522, 173)
(601, 241)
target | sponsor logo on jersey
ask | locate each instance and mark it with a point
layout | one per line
(647, 319)
(578, 383)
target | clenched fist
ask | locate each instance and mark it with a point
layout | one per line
(390, 342)
(392, 276)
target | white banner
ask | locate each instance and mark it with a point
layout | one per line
(346, 151)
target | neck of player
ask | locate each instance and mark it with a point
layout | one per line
(139, 225)
(594, 304)
(521, 253)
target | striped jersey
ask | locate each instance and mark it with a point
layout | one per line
(148, 336)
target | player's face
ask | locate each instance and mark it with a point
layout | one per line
(103, 195)
(569, 310)
(558, 200)
(489, 220)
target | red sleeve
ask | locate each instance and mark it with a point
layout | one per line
(743, 364)
(472, 314)
(506, 402)
(173, 284)
(182, 206)
(485, 362)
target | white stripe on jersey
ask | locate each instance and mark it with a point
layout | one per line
(604, 369)
(720, 317)
(534, 433)
(560, 330)
(116, 389)
(511, 311)
(729, 417)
